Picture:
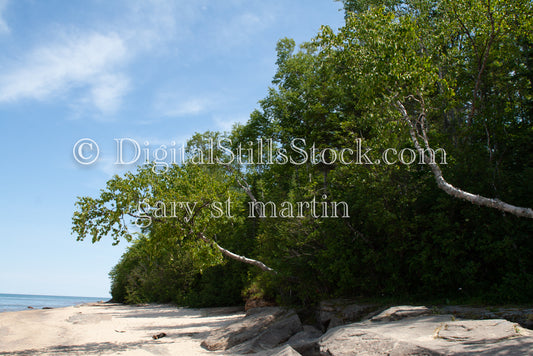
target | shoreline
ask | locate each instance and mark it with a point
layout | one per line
(111, 328)
(11, 302)
(106, 328)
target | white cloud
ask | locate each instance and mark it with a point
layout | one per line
(175, 105)
(4, 28)
(226, 123)
(86, 61)
(107, 91)
(88, 69)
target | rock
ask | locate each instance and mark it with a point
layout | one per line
(351, 340)
(253, 325)
(428, 335)
(521, 316)
(275, 334)
(401, 312)
(476, 331)
(158, 336)
(368, 343)
(306, 341)
(335, 312)
(279, 351)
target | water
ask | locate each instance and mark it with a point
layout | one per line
(14, 302)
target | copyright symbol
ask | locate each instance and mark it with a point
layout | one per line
(85, 151)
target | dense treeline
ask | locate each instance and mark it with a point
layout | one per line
(449, 74)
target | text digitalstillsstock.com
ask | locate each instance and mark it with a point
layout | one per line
(262, 152)
(128, 151)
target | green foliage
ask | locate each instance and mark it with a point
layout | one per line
(156, 271)
(468, 65)
(220, 285)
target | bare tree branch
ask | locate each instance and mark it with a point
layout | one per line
(236, 257)
(246, 187)
(416, 133)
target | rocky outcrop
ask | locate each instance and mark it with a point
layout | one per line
(274, 335)
(522, 316)
(260, 329)
(348, 341)
(428, 335)
(401, 330)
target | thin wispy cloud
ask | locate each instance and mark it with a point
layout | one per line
(4, 28)
(88, 70)
(85, 61)
(108, 91)
(176, 105)
(227, 123)
(104, 96)
(93, 71)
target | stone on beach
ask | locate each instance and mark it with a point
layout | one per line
(260, 329)
(401, 312)
(428, 335)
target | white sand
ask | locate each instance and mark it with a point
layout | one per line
(111, 329)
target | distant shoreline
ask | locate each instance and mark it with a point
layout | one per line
(17, 302)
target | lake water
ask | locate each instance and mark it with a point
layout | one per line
(14, 302)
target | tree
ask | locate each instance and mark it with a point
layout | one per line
(409, 55)
(401, 74)
(188, 202)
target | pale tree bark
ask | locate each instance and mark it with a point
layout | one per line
(224, 251)
(236, 257)
(246, 187)
(418, 130)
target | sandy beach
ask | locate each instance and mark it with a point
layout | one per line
(111, 329)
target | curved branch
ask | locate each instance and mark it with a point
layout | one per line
(447, 187)
(236, 257)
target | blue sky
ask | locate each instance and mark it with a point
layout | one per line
(154, 71)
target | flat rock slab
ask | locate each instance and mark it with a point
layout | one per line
(401, 312)
(477, 331)
(428, 335)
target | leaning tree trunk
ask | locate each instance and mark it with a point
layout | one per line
(417, 129)
(236, 257)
